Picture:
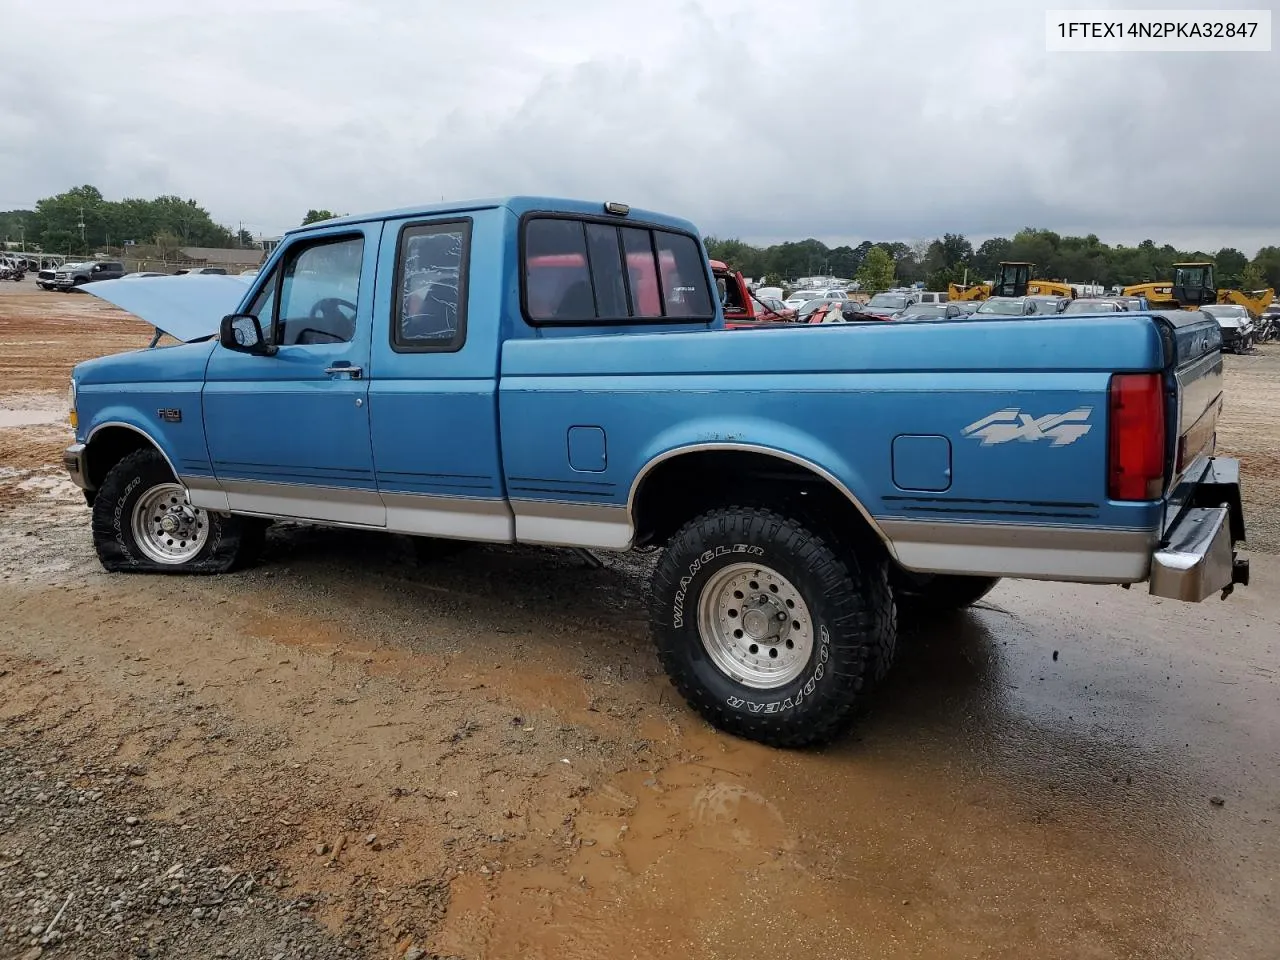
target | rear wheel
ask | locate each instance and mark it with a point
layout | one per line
(143, 522)
(769, 631)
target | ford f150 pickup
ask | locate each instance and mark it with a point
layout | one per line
(557, 372)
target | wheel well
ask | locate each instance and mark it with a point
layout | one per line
(686, 485)
(108, 447)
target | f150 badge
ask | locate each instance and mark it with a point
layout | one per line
(1012, 424)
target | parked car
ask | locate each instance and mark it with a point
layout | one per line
(71, 275)
(46, 278)
(191, 271)
(932, 311)
(1238, 333)
(889, 304)
(1049, 304)
(11, 268)
(141, 274)
(1095, 305)
(800, 297)
(1006, 307)
(933, 296)
(582, 394)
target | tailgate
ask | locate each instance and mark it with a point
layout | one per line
(1193, 356)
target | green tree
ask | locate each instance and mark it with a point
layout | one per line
(81, 221)
(245, 239)
(1267, 263)
(1251, 278)
(987, 258)
(167, 244)
(315, 216)
(876, 273)
(1230, 264)
(13, 225)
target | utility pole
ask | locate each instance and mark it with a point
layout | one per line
(81, 225)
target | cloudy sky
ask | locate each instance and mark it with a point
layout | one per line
(838, 119)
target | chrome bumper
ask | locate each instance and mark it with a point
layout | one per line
(73, 458)
(1197, 556)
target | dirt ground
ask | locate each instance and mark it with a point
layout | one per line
(344, 753)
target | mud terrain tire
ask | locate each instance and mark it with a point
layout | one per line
(736, 563)
(229, 542)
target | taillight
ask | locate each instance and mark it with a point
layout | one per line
(1135, 467)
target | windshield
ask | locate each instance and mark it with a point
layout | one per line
(805, 295)
(1003, 308)
(927, 310)
(1090, 306)
(1224, 310)
(895, 300)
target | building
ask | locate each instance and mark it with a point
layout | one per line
(222, 257)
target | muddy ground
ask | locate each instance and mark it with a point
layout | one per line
(344, 753)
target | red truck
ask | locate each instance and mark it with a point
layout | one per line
(741, 307)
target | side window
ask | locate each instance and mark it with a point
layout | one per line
(574, 273)
(431, 287)
(319, 290)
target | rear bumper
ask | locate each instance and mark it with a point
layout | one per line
(1197, 555)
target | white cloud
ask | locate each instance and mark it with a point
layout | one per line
(840, 120)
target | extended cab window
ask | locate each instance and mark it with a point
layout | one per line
(578, 271)
(431, 286)
(318, 292)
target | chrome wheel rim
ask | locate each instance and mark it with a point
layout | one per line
(166, 527)
(755, 626)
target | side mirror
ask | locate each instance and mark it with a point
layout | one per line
(243, 333)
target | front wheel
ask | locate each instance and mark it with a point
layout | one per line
(768, 630)
(143, 522)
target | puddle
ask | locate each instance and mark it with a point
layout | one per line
(29, 418)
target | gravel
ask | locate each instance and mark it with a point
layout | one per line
(84, 872)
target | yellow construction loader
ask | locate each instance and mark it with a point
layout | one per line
(1012, 280)
(1193, 287)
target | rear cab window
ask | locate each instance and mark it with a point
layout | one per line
(581, 271)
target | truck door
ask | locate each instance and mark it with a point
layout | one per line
(434, 374)
(288, 433)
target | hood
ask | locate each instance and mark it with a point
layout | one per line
(188, 308)
(1231, 323)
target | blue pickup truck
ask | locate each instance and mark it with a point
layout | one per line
(555, 372)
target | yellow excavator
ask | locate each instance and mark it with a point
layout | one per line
(1193, 287)
(1013, 279)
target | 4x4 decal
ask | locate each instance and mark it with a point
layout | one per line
(1012, 424)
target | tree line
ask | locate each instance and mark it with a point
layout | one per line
(951, 258)
(81, 221)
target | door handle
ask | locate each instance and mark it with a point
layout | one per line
(354, 372)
